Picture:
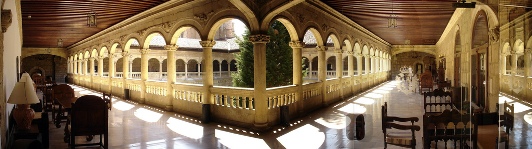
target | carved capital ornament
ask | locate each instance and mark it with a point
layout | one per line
(259, 38)
(297, 44)
(207, 44)
(171, 47)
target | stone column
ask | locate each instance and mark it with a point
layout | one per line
(186, 70)
(220, 69)
(359, 64)
(366, 64)
(322, 72)
(229, 67)
(80, 67)
(528, 57)
(91, 66)
(208, 81)
(503, 63)
(350, 64)
(259, 63)
(170, 74)
(86, 66)
(125, 65)
(74, 66)
(310, 68)
(161, 70)
(297, 76)
(199, 68)
(100, 66)
(112, 68)
(339, 64)
(514, 63)
(143, 73)
(130, 68)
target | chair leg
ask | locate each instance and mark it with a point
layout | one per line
(106, 141)
(72, 141)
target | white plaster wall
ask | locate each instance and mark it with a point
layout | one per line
(12, 49)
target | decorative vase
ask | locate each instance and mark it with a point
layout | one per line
(23, 116)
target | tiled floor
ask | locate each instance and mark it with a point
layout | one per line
(138, 126)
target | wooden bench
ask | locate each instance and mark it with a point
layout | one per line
(437, 101)
(450, 126)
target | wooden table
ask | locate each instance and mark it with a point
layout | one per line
(64, 103)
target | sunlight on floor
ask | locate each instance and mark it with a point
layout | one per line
(147, 115)
(237, 141)
(504, 98)
(353, 108)
(306, 136)
(528, 118)
(184, 128)
(365, 101)
(334, 121)
(373, 95)
(122, 106)
(381, 91)
(518, 107)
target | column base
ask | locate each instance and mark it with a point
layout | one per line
(142, 101)
(260, 127)
(169, 108)
(206, 113)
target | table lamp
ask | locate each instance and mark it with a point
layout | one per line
(23, 95)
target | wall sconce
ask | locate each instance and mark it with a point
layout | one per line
(59, 42)
(91, 19)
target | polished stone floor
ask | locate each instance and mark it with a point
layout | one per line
(135, 126)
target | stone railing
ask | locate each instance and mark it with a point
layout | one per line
(233, 97)
(188, 92)
(281, 96)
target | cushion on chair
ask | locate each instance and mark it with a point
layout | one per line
(401, 138)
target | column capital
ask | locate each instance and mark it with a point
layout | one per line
(297, 44)
(350, 53)
(320, 48)
(92, 58)
(207, 43)
(338, 51)
(101, 57)
(528, 51)
(171, 47)
(125, 54)
(259, 38)
(145, 51)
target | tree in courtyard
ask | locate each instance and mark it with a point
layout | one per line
(278, 59)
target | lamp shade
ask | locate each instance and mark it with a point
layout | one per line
(26, 78)
(23, 93)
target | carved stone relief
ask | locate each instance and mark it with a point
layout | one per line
(6, 19)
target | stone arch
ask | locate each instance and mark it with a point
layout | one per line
(148, 39)
(317, 36)
(336, 42)
(177, 33)
(215, 26)
(519, 46)
(357, 49)
(37, 69)
(348, 46)
(153, 65)
(490, 15)
(103, 51)
(94, 53)
(248, 14)
(113, 47)
(128, 43)
(290, 27)
(87, 54)
(180, 65)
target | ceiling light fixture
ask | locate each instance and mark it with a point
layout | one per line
(59, 43)
(392, 21)
(91, 18)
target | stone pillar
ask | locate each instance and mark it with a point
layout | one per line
(503, 63)
(208, 81)
(310, 68)
(186, 70)
(297, 73)
(91, 66)
(161, 70)
(80, 67)
(366, 64)
(125, 65)
(528, 57)
(322, 72)
(74, 66)
(170, 74)
(514, 63)
(220, 69)
(100, 66)
(86, 66)
(130, 68)
(339, 64)
(112, 68)
(259, 63)
(350, 64)
(199, 68)
(359, 64)
(143, 73)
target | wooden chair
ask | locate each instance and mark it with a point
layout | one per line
(507, 121)
(437, 101)
(61, 91)
(425, 81)
(39, 82)
(450, 126)
(88, 117)
(402, 138)
(108, 99)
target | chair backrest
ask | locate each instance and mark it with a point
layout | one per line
(38, 80)
(89, 116)
(62, 91)
(437, 101)
(384, 115)
(450, 125)
(426, 80)
(507, 117)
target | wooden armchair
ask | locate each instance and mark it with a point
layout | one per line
(437, 101)
(450, 126)
(39, 82)
(426, 82)
(88, 117)
(507, 121)
(401, 138)
(61, 91)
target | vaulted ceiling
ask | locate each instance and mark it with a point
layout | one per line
(44, 22)
(420, 21)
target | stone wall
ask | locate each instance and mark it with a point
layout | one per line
(410, 59)
(48, 65)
